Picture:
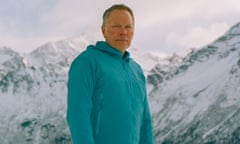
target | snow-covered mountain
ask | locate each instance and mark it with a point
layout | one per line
(194, 100)
(200, 102)
(33, 91)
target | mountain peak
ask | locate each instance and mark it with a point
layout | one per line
(59, 53)
(7, 50)
(235, 30)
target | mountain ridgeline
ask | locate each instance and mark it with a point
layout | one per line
(199, 101)
(194, 99)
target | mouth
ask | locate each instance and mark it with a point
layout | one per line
(122, 40)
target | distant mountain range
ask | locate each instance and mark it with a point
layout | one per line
(194, 99)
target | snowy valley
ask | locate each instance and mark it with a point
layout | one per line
(194, 100)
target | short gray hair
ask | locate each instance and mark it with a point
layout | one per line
(116, 7)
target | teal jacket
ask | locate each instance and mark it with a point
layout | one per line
(107, 102)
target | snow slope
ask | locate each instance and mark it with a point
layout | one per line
(33, 91)
(194, 100)
(200, 104)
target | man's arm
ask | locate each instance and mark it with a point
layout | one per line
(146, 134)
(79, 101)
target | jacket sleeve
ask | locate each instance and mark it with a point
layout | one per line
(146, 134)
(79, 100)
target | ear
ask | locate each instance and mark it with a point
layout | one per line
(103, 30)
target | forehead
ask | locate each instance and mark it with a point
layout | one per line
(120, 15)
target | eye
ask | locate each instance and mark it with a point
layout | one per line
(128, 27)
(116, 26)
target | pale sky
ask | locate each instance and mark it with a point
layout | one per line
(162, 26)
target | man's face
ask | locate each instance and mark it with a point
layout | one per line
(118, 29)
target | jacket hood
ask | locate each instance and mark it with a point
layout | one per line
(103, 46)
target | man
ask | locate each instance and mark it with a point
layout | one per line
(107, 102)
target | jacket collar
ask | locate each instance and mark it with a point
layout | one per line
(103, 46)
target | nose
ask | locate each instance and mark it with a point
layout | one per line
(123, 31)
